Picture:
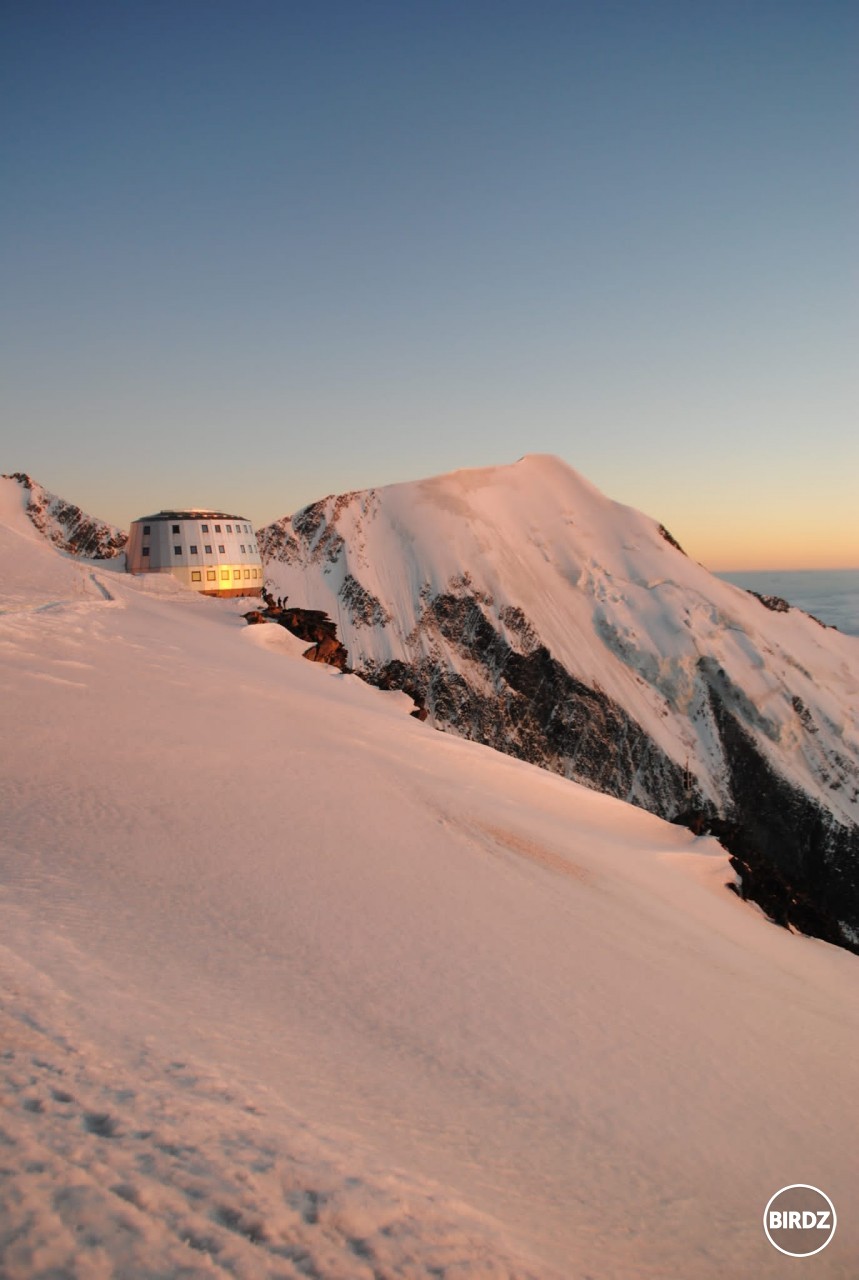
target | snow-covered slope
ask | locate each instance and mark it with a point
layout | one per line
(293, 986)
(532, 613)
(62, 523)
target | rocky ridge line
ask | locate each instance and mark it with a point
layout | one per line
(67, 526)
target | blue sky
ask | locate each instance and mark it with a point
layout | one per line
(255, 252)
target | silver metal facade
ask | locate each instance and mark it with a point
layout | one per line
(209, 551)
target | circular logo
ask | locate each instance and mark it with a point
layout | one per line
(799, 1220)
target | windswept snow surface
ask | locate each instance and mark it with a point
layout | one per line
(293, 986)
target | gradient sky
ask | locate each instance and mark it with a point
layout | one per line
(254, 253)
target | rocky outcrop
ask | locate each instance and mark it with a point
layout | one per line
(330, 651)
(307, 624)
(669, 538)
(778, 604)
(66, 526)
(363, 608)
(794, 858)
(529, 706)
(289, 539)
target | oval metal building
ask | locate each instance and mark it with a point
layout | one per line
(208, 551)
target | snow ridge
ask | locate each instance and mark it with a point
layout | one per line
(65, 525)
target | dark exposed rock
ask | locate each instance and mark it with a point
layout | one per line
(307, 624)
(663, 533)
(785, 897)
(317, 529)
(774, 603)
(777, 604)
(277, 542)
(516, 622)
(796, 859)
(397, 675)
(804, 714)
(316, 626)
(310, 520)
(66, 526)
(328, 650)
(364, 609)
(530, 707)
(310, 536)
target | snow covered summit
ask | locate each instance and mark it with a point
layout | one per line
(528, 611)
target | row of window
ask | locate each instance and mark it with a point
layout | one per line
(208, 550)
(212, 576)
(177, 551)
(204, 528)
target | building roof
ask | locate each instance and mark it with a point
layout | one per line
(194, 514)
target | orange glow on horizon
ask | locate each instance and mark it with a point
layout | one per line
(762, 546)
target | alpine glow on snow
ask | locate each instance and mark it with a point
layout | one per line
(295, 985)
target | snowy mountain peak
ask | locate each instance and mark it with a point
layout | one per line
(63, 523)
(527, 610)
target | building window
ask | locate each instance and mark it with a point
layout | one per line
(254, 572)
(193, 550)
(237, 573)
(229, 528)
(217, 528)
(210, 575)
(242, 548)
(177, 551)
(175, 528)
(247, 573)
(146, 529)
(222, 548)
(225, 575)
(204, 528)
(208, 549)
(145, 551)
(196, 576)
